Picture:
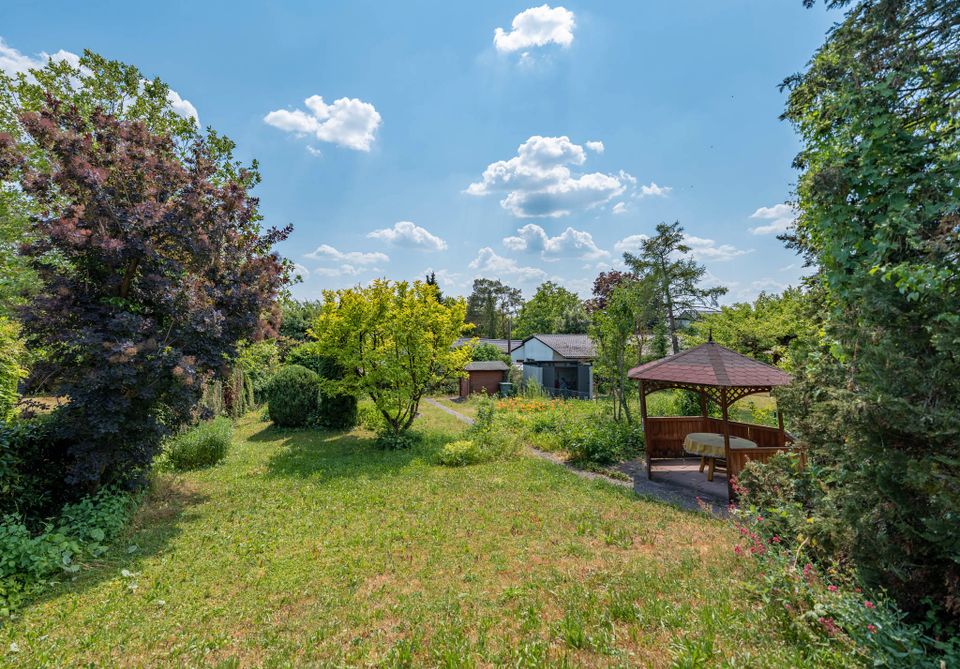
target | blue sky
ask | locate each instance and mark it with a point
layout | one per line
(402, 137)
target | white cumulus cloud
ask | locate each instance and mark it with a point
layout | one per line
(538, 181)
(405, 233)
(537, 26)
(488, 262)
(347, 122)
(630, 244)
(570, 243)
(707, 249)
(620, 208)
(182, 107)
(327, 252)
(345, 269)
(780, 216)
(595, 146)
(653, 190)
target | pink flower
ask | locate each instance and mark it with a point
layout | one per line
(829, 625)
(737, 549)
(832, 588)
(776, 539)
(869, 604)
(872, 629)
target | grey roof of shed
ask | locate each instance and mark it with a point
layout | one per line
(486, 366)
(577, 346)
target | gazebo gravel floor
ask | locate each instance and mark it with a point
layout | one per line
(679, 481)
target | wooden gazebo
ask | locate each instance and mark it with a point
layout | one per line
(718, 374)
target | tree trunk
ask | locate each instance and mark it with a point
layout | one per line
(672, 326)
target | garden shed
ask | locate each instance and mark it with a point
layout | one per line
(561, 364)
(483, 376)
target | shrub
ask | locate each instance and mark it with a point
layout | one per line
(794, 507)
(307, 355)
(293, 396)
(460, 453)
(369, 418)
(831, 611)
(388, 440)
(336, 410)
(32, 461)
(488, 439)
(81, 531)
(601, 441)
(259, 362)
(486, 351)
(201, 446)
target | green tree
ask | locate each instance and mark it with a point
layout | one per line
(879, 201)
(766, 329)
(676, 275)
(552, 310)
(431, 279)
(487, 352)
(394, 341)
(615, 331)
(296, 317)
(491, 306)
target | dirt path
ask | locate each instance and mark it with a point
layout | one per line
(455, 414)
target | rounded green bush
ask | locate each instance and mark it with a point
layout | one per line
(293, 396)
(460, 453)
(336, 411)
(202, 446)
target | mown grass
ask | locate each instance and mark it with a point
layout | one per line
(307, 547)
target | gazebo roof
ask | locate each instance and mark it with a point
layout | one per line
(711, 365)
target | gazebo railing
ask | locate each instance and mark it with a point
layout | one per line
(665, 434)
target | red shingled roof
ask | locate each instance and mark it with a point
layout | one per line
(711, 365)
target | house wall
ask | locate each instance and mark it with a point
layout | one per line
(535, 350)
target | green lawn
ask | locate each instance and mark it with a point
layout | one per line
(315, 548)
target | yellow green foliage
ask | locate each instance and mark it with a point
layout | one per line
(394, 340)
(11, 369)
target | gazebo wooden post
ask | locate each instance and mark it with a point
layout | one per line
(724, 406)
(643, 425)
(703, 402)
(783, 434)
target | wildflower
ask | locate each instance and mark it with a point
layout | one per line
(869, 604)
(832, 588)
(737, 549)
(776, 539)
(872, 629)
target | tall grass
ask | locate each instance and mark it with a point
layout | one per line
(202, 446)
